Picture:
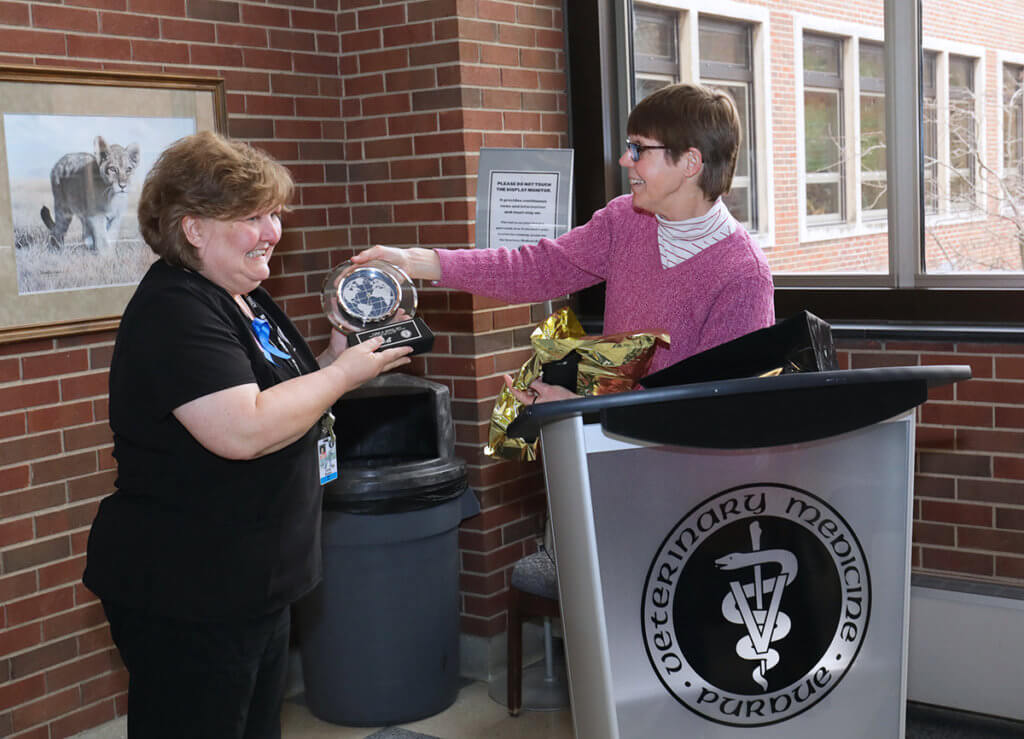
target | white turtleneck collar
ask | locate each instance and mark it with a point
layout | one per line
(680, 240)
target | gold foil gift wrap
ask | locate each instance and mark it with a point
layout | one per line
(607, 364)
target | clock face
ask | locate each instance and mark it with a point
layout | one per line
(369, 295)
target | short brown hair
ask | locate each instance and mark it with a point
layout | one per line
(206, 175)
(688, 116)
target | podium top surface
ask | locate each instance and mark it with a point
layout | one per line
(754, 411)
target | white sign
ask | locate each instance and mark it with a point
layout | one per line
(522, 208)
(523, 196)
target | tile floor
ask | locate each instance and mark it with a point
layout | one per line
(474, 715)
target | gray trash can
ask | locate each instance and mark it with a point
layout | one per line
(379, 637)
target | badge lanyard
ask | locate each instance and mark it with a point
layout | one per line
(326, 446)
(264, 330)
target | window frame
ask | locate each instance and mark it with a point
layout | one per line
(656, 68)
(869, 88)
(906, 293)
(689, 13)
(833, 85)
(1003, 60)
(971, 95)
(930, 154)
(739, 80)
(853, 220)
(944, 50)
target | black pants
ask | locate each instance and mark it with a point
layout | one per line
(202, 680)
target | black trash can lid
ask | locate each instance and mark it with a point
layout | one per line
(378, 485)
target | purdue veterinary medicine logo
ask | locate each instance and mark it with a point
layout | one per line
(756, 605)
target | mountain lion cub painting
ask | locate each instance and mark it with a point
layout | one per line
(94, 188)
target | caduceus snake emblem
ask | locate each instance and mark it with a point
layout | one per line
(764, 624)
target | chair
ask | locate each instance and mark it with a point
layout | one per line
(533, 592)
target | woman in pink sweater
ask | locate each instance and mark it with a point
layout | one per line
(672, 257)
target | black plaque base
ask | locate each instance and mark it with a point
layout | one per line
(412, 332)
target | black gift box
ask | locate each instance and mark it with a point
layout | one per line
(801, 343)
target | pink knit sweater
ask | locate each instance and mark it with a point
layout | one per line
(723, 292)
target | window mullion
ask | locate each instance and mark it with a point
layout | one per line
(853, 142)
(615, 21)
(903, 145)
(689, 46)
(945, 163)
(979, 141)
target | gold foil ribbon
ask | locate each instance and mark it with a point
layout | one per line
(607, 364)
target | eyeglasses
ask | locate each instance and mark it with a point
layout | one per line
(635, 149)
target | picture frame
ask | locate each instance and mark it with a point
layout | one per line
(70, 252)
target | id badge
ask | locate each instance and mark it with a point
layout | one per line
(327, 458)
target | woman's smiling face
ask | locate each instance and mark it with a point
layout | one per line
(235, 254)
(654, 179)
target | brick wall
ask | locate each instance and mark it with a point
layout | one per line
(58, 670)
(379, 109)
(969, 471)
(59, 673)
(423, 89)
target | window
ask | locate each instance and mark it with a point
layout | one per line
(1012, 177)
(726, 63)
(723, 53)
(930, 132)
(1013, 127)
(963, 135)
(962, 226)
(823, 129)
(656, 54)
(911, 153)
(873, 186)
(844, 182)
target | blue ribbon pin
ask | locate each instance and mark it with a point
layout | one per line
(262, 329)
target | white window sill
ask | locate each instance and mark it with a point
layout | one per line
(812, 234)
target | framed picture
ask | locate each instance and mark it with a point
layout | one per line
(75, 147)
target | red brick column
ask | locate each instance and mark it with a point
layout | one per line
(425, 85)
